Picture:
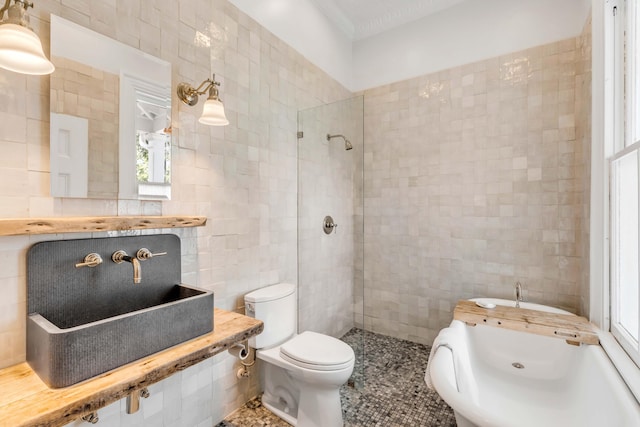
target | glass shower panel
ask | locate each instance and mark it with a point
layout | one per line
(330, 183)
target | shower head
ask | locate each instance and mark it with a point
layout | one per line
(347, 143)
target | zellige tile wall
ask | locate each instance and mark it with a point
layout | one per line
(474, 180)
(583, 136)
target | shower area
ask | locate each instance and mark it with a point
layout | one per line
(331, 221)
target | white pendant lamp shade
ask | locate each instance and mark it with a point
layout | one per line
(21, 51)
(213, 113)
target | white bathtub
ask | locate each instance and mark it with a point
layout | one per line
(560, 385)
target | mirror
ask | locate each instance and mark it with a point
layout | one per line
(110, 117)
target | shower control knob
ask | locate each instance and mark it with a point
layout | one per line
(328, 225)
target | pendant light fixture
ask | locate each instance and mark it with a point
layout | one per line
(213, 111)
(20, 47)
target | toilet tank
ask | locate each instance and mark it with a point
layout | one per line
(276, 306)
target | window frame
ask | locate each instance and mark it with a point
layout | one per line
(620, 115)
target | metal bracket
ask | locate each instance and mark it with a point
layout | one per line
(133, 400)
(91, 417)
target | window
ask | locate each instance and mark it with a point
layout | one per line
(625, 179)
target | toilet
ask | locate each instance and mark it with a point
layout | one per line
(302, 372)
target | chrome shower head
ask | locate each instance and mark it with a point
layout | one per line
(347, 143)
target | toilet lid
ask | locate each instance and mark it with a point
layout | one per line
(316, 351)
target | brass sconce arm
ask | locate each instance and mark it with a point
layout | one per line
(16, 14)
(189, 95)
(4, 8)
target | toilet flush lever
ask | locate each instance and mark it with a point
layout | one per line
(145, 253)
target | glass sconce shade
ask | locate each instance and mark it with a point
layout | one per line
(213, 113)
(21, 51)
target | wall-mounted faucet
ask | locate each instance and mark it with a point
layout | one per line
(121, 256)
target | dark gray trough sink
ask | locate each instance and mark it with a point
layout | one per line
(86, 321)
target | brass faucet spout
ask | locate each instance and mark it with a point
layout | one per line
(137, 277)
(121, 256)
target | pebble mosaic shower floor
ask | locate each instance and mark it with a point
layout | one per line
(394, 393)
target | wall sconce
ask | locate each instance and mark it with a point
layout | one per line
(213, 111)
(20, 48)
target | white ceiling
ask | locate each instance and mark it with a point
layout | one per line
(360, 19)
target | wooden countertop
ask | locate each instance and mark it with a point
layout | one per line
(26, 401)
(573, 329)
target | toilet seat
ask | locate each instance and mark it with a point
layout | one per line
(319, 352)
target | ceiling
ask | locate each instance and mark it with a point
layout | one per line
(360, 19)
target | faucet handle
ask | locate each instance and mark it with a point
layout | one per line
(119, 256)
(91, 260)
(145, 253)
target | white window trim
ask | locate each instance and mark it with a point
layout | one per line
(622, 362)
(602, 123)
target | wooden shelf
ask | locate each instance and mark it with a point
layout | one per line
(54, 225)
(26, 401)
(573, 329)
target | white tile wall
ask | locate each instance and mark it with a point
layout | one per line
(474, 180)
(583, 136)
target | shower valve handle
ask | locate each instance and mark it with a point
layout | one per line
(328, 225)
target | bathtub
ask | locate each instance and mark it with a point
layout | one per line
(505, 378)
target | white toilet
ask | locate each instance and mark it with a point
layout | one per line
(302, 373)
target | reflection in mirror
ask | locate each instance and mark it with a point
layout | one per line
(153, 146)
(110, 117)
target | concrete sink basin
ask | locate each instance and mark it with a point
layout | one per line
(84, 321)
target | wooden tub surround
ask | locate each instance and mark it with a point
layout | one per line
(574, 329)
(26, 401)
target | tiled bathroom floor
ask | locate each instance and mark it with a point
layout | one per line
(394, 394)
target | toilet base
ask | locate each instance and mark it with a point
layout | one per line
(278, 408)
(320, 409)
